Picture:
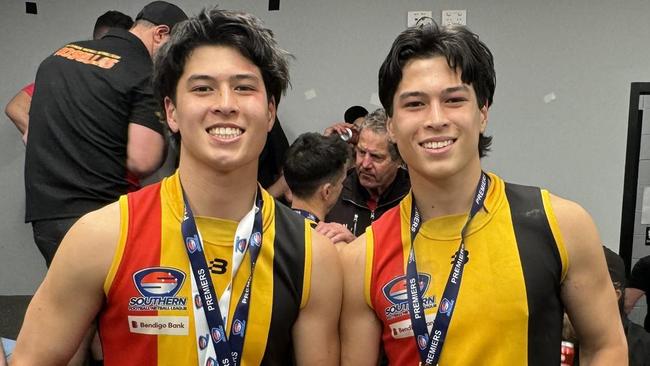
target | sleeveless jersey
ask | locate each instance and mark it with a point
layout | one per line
(508, 311)
(148, 319)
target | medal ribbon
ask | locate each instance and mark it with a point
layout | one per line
(226, 350)
(428, 344)
(306, 214)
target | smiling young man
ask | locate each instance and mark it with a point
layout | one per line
(203, 268)
(468, 269)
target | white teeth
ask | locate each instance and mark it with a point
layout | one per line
(225, 132)
(436, 144)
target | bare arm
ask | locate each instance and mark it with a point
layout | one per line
(587, 290)
(72, 293)
(316, 333)
(18, 111)
(144, 151)
(360, 328)
(338, 128)
(632, 295)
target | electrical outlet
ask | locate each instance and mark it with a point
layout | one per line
(450, 17)
(412, 17)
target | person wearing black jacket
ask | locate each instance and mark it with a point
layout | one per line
(376, 183)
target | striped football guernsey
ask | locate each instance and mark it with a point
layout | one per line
(148, 320)
(508, 311)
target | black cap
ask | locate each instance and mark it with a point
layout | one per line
(615, 266)
(162, 13)
(354, 112)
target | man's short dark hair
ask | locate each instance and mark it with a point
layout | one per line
(112, 19)
(463, 51)
(241, 31)
(313, 160)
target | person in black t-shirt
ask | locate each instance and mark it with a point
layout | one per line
(93, 118)
(18, 107)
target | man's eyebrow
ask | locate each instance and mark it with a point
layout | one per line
(200, 77)
(453, 89)
(410, 94)
(243, 77)
(447, 91)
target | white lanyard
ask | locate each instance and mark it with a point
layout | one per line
(204, 346)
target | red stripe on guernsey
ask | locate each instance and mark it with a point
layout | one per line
(142, 250)
(388, 264)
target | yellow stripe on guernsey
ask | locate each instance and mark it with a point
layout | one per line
(119, 251)
(492, 287)
(306, 282)
(370, 240)
(218, 236)
(555, 229)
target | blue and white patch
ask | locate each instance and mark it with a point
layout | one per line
(218, 334)
(446, 306)
(192, 244)
(395, 291)
(158, 287)
(238, 327)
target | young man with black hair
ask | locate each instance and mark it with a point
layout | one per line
(203, 268)
(315, 170)
(503, 260)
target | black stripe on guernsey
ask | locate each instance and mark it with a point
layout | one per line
(542, 268)
(288, 271)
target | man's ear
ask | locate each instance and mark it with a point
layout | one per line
(484, 111)
(389, 127)
(160, 33)
(170, 113)
(325, 191)
(271, 113)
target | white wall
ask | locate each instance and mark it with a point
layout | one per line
(586, 52)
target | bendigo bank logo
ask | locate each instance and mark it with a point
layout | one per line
(396, 292)
(211, 362)
(158, 287)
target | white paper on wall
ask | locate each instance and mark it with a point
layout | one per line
(645, 207)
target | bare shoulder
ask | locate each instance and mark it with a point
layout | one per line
(576, 225)
(323, 249)
(567, 210)
(354, 253)
(91, 242)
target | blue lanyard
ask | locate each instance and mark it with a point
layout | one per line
(228, 351)
(306, 214)
(428, 344)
